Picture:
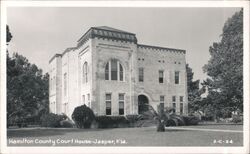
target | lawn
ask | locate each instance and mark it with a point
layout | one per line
(146, 136)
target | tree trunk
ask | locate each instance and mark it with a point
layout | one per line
(160, 127)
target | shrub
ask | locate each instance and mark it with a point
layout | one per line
(237, 119)
(66, 124)
(207, 118)
(191, 120)
(83, 116)
(51, 120)
(111, 121)
(132, 119)
(171, 122)
(178, 119)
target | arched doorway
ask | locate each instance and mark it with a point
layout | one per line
(142, 104)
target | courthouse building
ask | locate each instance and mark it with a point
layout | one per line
(114, 75)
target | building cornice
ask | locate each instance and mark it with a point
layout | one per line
(68, 49)
(95, 32)
(160, 48)
(56, 55)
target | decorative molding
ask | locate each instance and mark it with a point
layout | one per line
(116, 46)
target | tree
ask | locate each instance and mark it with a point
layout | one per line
(194, 92)
(225, 67)
(8, 34)
(27, 88)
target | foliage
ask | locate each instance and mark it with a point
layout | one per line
(83, 116)
(161, 116)
(190, 120)
(66, 124)
(111, 121)
(166, 117)
(194, 92)
(225, 69)
(27, 88)
(237, 119)
(132, 119)
(51, 120)
(8, 34)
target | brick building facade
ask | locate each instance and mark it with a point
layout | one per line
(114, 75)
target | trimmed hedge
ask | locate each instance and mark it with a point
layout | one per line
(52, 120)
(111, 121)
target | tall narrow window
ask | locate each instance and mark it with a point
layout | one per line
(89, 105)
(85, 72)
(114, 71)
(181, 108)
(141, 74)
(121, 72)
(173, 98)
(83, 99)
(161, 76)
(65, 84)
(174, 106)
(181, 98)
(108, 104)
(107, 71)
(162, 101)
(176, 77)
(121, 104)
(54, 83)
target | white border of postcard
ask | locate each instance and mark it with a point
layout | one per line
(135, 150)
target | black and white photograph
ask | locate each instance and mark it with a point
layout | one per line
(125, 77)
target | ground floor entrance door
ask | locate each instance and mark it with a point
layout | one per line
(142, 104)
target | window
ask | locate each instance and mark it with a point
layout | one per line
(107, 72)
(161, 76)
(54, 83)
(181, 108)
(121, 72)
(174, 106)
(121, 104)
(89, 105)
(65, 84)
(85, 72)
(176, 77)
(108, 104)
(114, 70)
(162, 101)
(83, 99)
(181, 98)
(173, 98)
(141, 74)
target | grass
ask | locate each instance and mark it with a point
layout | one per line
(146, 136)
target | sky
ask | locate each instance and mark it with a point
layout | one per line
(40, 32)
